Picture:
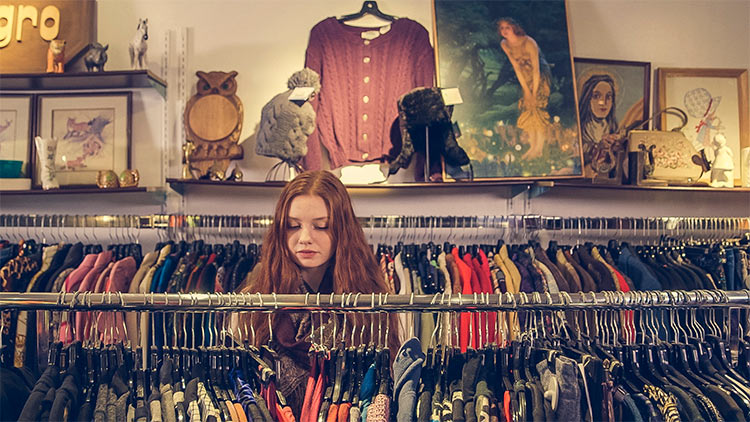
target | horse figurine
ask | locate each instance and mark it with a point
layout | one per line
(138, 45)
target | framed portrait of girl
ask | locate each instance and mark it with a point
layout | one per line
(612, 95)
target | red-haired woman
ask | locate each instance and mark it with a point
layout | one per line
(314, 245)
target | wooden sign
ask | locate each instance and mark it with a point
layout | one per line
(27, 27)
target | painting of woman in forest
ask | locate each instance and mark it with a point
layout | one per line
(511, 62)
(532, 72)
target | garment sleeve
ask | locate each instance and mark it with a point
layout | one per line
(424, 60)
(314, 61)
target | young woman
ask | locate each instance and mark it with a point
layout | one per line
(596, 109)
(533, 74)
(314, 245)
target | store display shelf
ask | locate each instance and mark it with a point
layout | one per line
(180, 185)
(71, 191)
(120, 79)
(583, 185)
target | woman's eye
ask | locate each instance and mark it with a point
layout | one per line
(321, 227)
(291, 227)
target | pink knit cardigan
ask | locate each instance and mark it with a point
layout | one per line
(361, 81)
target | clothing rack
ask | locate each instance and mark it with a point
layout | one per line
(661, 224)
(371, 302)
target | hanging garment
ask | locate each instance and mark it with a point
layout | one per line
(363, 77)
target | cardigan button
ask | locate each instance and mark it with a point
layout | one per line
(367, 79)
(364, 117)
(365, 99)
(364, 136)
(365, 155)
(367, 42)
(366, 59)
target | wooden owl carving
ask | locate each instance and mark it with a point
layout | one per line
(213, 122)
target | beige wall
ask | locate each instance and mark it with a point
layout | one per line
(265, 41)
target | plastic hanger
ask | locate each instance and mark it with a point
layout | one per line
(368, 8)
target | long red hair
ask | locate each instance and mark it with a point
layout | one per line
(355, 269)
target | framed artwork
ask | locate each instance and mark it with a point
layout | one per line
(612, 96)
(511, 63)
(16, 121)
(716, 103)
(92, 131)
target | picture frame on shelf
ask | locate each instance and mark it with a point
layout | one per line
(518, 120)
(716, 102)
(16, 124)
(613, 95)
(93, 131)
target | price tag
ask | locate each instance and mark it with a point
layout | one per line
(451, 96)
(301, 93)
(370, 35)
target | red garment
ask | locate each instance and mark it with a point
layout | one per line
(284, 414)
(475, 288)
(628, 315)
(307, 403)
(360, 78)
(333, 413)
(465, 271)
(269, 394)
(317, 396)
(344, 412)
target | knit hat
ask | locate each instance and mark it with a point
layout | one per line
(407, 370)
(285, 125)
(423, 108)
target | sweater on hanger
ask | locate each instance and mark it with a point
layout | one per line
(361, 80)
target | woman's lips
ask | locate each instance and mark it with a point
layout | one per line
(306, 254)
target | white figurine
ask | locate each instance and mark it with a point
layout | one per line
(722, 168)
(138, 45)
(47, 148)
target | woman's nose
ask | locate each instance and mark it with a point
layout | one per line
(304, 235)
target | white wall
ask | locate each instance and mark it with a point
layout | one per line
(265, 41)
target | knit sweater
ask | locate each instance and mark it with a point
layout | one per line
(361, 81)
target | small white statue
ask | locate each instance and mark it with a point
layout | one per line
(722, 168)
(138, 45)
(46, 149)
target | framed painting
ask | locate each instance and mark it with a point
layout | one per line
(16, 120)
(613, 95)
(716, 103)
(511, 63)
(92, 131)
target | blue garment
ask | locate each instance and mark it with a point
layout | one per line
(367, 391)
(634, 268)
(167, 269)
(729, 270)
(244, 396)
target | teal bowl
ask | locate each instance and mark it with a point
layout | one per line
(10, 169)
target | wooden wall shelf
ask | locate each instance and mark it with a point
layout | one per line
(119, 79)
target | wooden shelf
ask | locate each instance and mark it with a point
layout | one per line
(534, 188)
(180, 185)
(584, 185)
(120, 79)
(71, 191)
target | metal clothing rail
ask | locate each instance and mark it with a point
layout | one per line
(663, 224)
(371, 302)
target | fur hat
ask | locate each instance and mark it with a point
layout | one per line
(423, 108)
(284, 124)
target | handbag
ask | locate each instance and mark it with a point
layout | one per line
(669, 156)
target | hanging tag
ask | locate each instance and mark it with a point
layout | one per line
(451, 96)
(301, 93)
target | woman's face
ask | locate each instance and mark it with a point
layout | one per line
(505, 29)
(307, 232)
(601, 100)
